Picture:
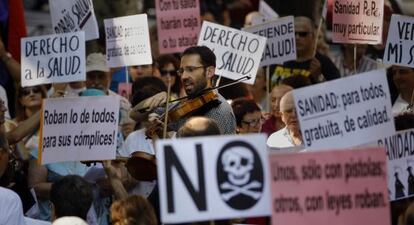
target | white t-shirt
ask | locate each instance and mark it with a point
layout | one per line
(30, 221)
(280, 139)
(11, 209)
(137, 141)
(400, 105)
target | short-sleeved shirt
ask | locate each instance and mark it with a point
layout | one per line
(11, 209)
(294, 68)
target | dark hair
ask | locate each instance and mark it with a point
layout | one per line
(145, 87)
(208, 58)
(234, 91)
(163, 61)
(205, 127)
(297, 81)
(133, 210)
(404, 121)
(242, 106)
(71, 196)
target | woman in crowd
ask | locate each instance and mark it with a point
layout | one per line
(133, 210)
(168, 65)
(248, 115)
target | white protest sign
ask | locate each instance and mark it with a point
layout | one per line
(281, 44)
(400, 154)
(267, 11)
(238, 53)
(399, 49)
(127, 41)
(71, 16)
(357, 21)
(74, 129)
(214, 177)
(346, 112)
(53, 58)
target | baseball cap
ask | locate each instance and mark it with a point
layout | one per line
(96, 62)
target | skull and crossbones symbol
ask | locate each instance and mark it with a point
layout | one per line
(238, 164)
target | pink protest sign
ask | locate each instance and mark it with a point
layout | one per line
(178, 24)
(357, 21)
(330, 187)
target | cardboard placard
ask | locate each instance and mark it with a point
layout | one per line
(330, 187)
(55, 58)
(71, 16)
(79, 129)
(399, 149)
(178, 24)
(127, 41)
(281, 44)
(357, 21)
(238, 53)
(399, 49)
(346, 112)
(213, 177)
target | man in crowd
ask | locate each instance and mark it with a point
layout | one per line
(403, 78)
(316, 67)
(274, 122)
(290, 135)
(197, 70)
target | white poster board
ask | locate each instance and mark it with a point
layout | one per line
(214, 177)
(79, 129)
(400, 163)
(281, 44)
(55, 58)
(267, 11)
(345, 112)
(71, 16)
(127, 41)
(399, 49)
(238, 53)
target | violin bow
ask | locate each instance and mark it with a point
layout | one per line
(164, 130)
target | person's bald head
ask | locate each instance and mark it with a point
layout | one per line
(304, 35)
(276, 95)
(288, 112)
(199, 126)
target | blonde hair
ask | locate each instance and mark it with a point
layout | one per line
(134, 210)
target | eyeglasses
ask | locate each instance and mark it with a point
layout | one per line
(302, 34)
(188, 69)
(166, 72)
(28, 91)
(253, 123)
(289, 111)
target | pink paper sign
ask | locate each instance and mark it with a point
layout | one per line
(357, 21)
(178, 24)
(330, 187)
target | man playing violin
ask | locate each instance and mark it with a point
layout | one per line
(196, 71)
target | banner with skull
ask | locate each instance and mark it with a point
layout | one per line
(216, 177)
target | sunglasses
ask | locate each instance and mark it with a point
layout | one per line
(302, 33)
(28, 91)
(166, 72)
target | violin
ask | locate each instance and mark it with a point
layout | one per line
(140, 165)
(183, 109)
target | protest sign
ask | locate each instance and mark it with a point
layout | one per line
(330, 187)
(127, 41)
(214, 177)
(357, 21)
(178, 24)
(281, 44)
(71, 16)
(346, 112)
(238, 53)
(53, 58)
(399, 149)
(74, 129)
(399, 49)
(267, 11)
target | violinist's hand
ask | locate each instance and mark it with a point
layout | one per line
(155, 101)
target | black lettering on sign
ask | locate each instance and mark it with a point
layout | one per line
(171, 162)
